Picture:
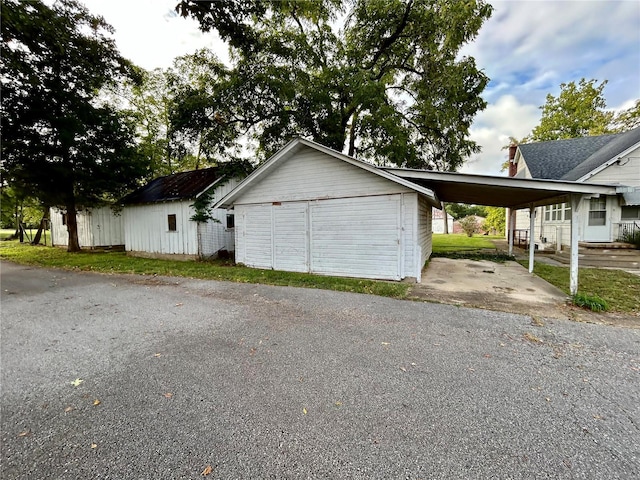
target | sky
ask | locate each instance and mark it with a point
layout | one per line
(527, 49)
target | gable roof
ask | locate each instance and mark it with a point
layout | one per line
(293, 147)
(179, 186)
(574, 158)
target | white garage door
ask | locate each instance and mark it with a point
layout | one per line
(359, 237)
(291, 240)
(256, 232)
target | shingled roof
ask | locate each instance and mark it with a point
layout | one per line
(574, 158)
(179, 186)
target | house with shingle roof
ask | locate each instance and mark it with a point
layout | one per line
(171, 215)
(604, 159)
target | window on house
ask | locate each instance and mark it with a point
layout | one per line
(630, 213)
(64, 218)
(597, 211)
(557, 212)
(231, 220)
(171, 219)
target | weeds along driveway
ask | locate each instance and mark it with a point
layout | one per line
(148, 377)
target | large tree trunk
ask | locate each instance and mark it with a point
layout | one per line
(72, 228)
(43, 223)
(446, 218)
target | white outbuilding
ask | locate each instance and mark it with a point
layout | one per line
(98, 227)
(312, 209)
(159, 217)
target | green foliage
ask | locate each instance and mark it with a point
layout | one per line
(118, 262)
(628, 119)
(590, 302)
(495, 221)
(60, 143)
(461, 210)
(389, 86)
(469, 225)
(578, 111)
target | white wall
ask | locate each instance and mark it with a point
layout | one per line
(312, 175)
(97, 227)
(425, 237)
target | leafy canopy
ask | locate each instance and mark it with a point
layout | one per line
(59, 140)
(380, 79)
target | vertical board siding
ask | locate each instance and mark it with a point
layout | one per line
(425, 237)
(107, 227)
(410, 206)
(97, 227)
(356, 237)
(290, 237)
(147, 230)
(257, 237)
(311, 175)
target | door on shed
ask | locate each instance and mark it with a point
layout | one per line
(358, 237)
(290, 237)
(257, 233)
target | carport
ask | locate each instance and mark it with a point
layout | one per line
(514, 194)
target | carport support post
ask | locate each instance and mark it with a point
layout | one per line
(532, 245)
(511, 229)
(575, 225)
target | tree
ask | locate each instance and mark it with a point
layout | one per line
(495, 220)
(59, 141)
(387, 84)
(578, 111)
(628, 119)
(461, 210)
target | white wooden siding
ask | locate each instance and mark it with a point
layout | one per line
(409, 234)
(256, 236)
(97, 227)
(424, 244)
(359, 237)
(147, 228)
(627, 172)
(311, 175)
(291, 237)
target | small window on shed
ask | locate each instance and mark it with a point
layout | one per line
(171, 219)
(64, 218)
(231, 220)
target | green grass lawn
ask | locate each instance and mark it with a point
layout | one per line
(621, 290)
(30, 234)
(460, 243)
(119, 262)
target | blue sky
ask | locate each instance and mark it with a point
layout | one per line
(527, 48)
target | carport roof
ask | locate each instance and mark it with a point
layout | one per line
(495, 191)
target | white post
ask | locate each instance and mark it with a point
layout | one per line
(511, 230)
(532, 244)
(575, 225)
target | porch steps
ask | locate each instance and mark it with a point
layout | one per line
(605, 257)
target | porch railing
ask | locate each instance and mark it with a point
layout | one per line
(629, 232)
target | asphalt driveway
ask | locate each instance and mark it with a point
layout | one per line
(129, 377)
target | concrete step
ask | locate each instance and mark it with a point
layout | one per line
(631, 262)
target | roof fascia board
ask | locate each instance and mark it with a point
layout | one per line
(608, 163)
(293, 145)
(534, 183)
(210, 186)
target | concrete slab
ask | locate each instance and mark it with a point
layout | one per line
(496, 286)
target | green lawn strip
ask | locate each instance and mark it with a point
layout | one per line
(621, 290)
(460, 243)
(118, 262)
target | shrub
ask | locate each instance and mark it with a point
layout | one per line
(469, 226)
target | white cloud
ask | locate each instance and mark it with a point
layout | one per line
(151, 34)
(492, 129)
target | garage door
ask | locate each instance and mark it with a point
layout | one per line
(290, 231)
(357, 237)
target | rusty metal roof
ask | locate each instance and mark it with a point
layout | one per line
(179, 186)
